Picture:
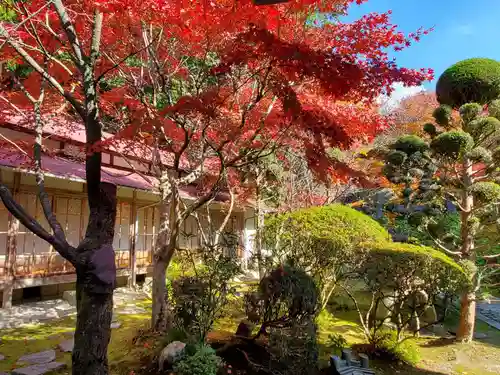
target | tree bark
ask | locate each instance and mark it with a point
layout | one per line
(96, 280)
(465, 332)
(468, 301)
(159, 308)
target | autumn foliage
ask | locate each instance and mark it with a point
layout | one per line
(273, 78)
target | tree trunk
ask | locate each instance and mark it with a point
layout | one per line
(260, 226)
(159, 308)
(467, 317)
(96, 279)
(163, 252)
(468, 301)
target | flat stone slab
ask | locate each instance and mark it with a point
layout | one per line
(39, 369)
(115, 325)
(67, 345)
(38, 358)
(2, 357)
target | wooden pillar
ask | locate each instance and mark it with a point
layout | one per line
(10, 259)
(132, 258)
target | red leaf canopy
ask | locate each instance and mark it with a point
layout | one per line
(220, 82)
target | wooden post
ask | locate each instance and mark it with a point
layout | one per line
(132, 258)
(10, 259)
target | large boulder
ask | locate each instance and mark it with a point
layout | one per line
(384, 309)
(171, 354)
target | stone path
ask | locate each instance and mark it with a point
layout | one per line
(489, 312)
(36, 312)
(32, 313)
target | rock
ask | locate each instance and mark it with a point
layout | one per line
(115, 325)
(2, 357)
(70, 297)
(38, 358)
(67, 345)
(39, 369)
(132, 310)
(171, 354)
(480, 336)
(429, 316)
(384, 309)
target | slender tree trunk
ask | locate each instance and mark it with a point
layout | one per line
(96, 279)
(159, 308)
(163, 252)
(468, 301)
(260, 226)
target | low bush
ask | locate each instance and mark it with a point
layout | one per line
(198, 360)
(337, 342)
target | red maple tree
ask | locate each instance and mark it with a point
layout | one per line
(205, 88)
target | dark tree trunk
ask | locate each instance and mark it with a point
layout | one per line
(96, 279)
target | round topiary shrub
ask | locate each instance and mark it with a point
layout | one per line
(410, 144)
(472, 80)
(452, 144)
(494, 108)
(430, 129)
(396, 157)
(479, 154)
(483, 128)
(486, 191)
(470, 111)
(442, 115)
(322, 240)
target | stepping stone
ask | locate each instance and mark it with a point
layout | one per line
(115, 325)
(67, 345)
(131, 310)
(2, 357)
(480, 335)
(38, 358)
(40, 369)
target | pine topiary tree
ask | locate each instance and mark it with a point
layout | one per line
(469, 169)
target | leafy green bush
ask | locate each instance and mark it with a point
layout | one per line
(294, 350)
(285, 297)
(323, 241)
(201, 360)
(486, 191)
(474, 80)
(336, 342)
(442, 115)
(406, 351)
(430, 129)
(200, 300)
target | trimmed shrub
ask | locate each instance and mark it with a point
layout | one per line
(470, 111)
(486, 191)
(389, 347)
(452, 144)
(474, 80)
(483, 128)
(410, 144)
(199, 360)
(494, 108)
(430, 129)
(320, 240)
(442, 115)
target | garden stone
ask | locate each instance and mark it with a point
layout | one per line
(38, 358)
(439, 330)
(2, 357)
(70, 297)
(429, 315)
(116, 325)
(67, 345)
(171, 354)
(40, 369)
(384, 309)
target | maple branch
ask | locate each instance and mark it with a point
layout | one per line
(70, 32)
(96, 37)
(54, 83)
(15, 145)
(28, 18)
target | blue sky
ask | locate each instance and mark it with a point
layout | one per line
(462, 29)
